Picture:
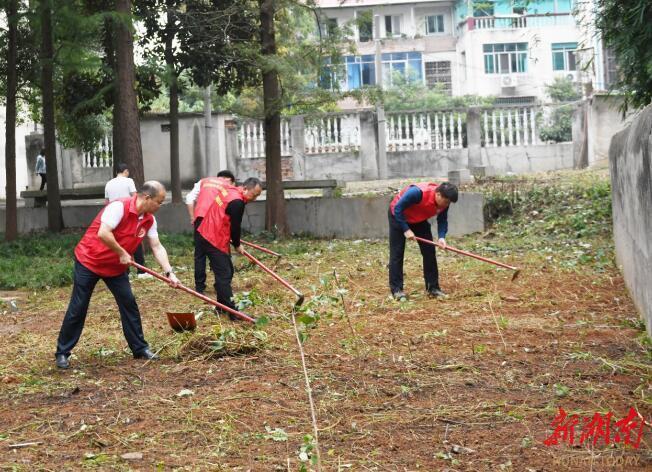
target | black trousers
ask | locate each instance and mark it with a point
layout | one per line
(73, 322)
(200, 259)
(139, 257)
(222, 269)
(44, 180)
(397, 252)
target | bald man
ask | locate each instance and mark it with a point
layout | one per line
(104, 252)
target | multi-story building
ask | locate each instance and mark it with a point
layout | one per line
(504, 48)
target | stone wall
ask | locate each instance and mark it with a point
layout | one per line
(630, 162)
(358, 217)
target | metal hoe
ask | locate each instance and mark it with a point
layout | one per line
(470, 254)
(196, 294)
(276, 276)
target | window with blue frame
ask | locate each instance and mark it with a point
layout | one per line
(563, 56)
(360, 71)
(332, 76)
(401, 66)
(505, 58)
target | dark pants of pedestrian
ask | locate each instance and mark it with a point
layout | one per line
(139, 257)
(222, 268)
(73, 322)
(44, 180)
(200, 259)
(397, 251)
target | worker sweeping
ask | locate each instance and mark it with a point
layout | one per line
(220, 228)
(408, 216)
(198, 200)
(104, 252)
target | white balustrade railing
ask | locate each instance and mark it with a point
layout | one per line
(101, 155)
(332, 133)
(516, 21)
(251, 139)
(412, 131)
(513, 126)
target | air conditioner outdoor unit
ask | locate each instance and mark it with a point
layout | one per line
(570, 77)
(508, 81)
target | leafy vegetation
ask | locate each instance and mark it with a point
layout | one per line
(559, 126)
(626, 27)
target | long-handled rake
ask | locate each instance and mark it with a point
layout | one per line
(277, 277)
(187, 321)
(516, 270)
(260, 248)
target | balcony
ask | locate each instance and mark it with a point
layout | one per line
(515, 22)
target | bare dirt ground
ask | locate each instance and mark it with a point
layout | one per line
(470, 383)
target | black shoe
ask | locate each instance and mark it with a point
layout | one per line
(399, 295)
(232, 317)
(436, 293)
(146, 354)
(62, 361)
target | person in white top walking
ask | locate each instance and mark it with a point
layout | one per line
(121, 186)
(40, 168)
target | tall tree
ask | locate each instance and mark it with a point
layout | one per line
(11, 225)
(626, 26)
(55, 216)
(126, 101)
(160, 39)
(275, 216)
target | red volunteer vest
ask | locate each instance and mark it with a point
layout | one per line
(96, 256)
(208, 190)
(426, 208)
(216, 225)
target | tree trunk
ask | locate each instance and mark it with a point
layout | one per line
(109, 51)
(55, 217)
(175, 175)
(275, 217)
(11, 220)
(126, 107)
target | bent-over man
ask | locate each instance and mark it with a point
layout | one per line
(198, 201)
(104, 252)
(408, 216)
(221, 226)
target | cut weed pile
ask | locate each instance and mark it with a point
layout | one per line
(472, 382)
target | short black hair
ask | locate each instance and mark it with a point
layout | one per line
(448, 191)
(251, 182)
(122, 167)
(42, 151)
(227, 174)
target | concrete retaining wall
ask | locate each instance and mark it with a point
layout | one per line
(528, 159)
(358, 217)
(630, 162)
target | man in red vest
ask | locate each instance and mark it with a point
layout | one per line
(198, 201)
(104, 252)
(408, 217)
(220, 228)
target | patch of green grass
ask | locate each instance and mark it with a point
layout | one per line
(37, 261)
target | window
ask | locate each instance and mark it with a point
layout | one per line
(328, 26)
(392, 25)
(507, 58)
(332, 76)
(438, 75)
(365, 26)
(482, 8)
(360, 71)
(563, 56)
(401, 66)
(434, 24)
